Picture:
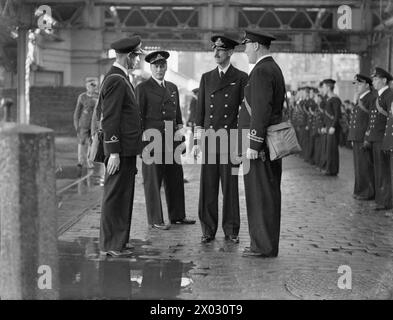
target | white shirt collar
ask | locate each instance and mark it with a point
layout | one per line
(382, 90)
(364, 94)
(225, 69)
(118, 65)
(263, 57)
(159, 81)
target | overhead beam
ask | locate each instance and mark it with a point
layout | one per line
(259, 3)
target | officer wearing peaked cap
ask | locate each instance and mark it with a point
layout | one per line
(158, 100)
(264, 97)
(378, 140)
(387, 143)
(364, 188)
(121, 125)
(220, 95)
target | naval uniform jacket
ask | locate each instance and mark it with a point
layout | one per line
(219, 100)
(377, 124)
(158, 105)
(266, 83)
(312, 109)
(360, 117)
(121, 122)
(387, 100)
(333, 112)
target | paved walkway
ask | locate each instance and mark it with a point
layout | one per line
(323, 227)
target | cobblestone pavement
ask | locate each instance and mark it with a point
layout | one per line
(322, 228)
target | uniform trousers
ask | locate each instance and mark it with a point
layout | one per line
(154, 175)
(211, 175)
(332, 154)
(311, 148)
(317, 149)
(364, 171)
(323, 158)
(382, 173)
(117, 203)
(263, 200)
(306, 143)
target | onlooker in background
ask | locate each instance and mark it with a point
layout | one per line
(82, 121)
(5, 109)
(192, 116)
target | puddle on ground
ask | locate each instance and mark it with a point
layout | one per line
(84, 181)
(85, 275)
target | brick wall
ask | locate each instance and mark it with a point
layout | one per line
(50, 107)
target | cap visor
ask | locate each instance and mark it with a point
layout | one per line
(139, 51)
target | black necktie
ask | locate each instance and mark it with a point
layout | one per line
(221, 74)
(162, 84)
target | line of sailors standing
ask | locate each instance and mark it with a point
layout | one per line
(316, 113)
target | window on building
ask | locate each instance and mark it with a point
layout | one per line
(47, 78)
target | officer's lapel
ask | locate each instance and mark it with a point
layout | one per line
(156, 88)
(160, 91)
(228, 79)
(167, 93)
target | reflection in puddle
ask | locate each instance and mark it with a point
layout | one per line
(99, 277)
(84, 180)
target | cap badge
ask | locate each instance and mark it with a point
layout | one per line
(219, 43)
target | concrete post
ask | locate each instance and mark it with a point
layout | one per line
(28, 239)
(23, 114)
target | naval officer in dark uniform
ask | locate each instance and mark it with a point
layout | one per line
(362, 157)
(333, 115)
(219, 98)
(158, 100)
(121, 125)
(375, 136)
(387, 142)
(263, 106)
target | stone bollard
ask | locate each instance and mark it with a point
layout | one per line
(28, 224)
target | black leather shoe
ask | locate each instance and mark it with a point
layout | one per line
(361, 198)
(207, 239)
(249, 253)
(184, 221)
(129, 246)
(380, 208)
(232, 238)
(160, 226)
(116, 254)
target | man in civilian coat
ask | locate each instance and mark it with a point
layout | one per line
(364, 188)
(263, 105)
(121, 125)
(219, 98)
(158, 100)
(375, 135)
(333, 114)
